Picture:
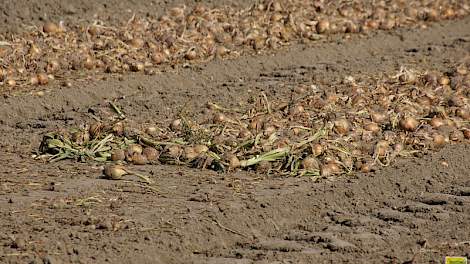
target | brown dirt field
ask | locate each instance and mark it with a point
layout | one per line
(18, 15)
(415, 211)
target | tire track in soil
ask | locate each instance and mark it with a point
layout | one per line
(61, 212)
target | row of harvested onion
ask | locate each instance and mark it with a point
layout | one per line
(58, 51)
(363, 123)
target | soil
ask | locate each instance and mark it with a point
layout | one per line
(415, 211)
(20, 15)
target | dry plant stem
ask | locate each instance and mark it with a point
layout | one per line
(117, 110)
(229, 229)
(269, 156)
(141, 176)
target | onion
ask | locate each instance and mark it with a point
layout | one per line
(378, 117)
(52, 66)
(137, 43)
(439, 140)
(114, 172)
(398, 147)
(232, 160)
(463, 113)
(437, 122)
(323, 26)
(191, 54)
(34, 80)
(150, 153)
(139, 159)
(466, 133)
(296, 109)
(329, 169)
(42, 79)
(190, 153)
(118, 155)
(93, 30)
(444, 80)
(456, 135)
(263, 166)
(11, 82)
(341, 126)
(381, 148)
(310, 163)
(244, 133)
(219, 118)
(134, 148)
(457, 100)
(372, 127)
(366, 167)
(158, 57)
(89, 63)
(317, 149)
(95, 129)
(431, 78)
(174, 151)
(118, 129)
(221, 51)
(409, 124)
(152, 131)
(387, 24)
(50, 27)
(199, 149)
(176, 125)
(300, 90)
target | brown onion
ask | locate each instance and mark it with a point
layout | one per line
(118, 155)
(323, 26)
(219, 118)
(466, 133)
(372, 127)
(150, 153)
(310, 163)
(409, 123)
(439, 140)
(114, 172)
(330, 168)
(437, 122)
(42, 79)
(139, 159)
(50, 27)
(341, 126)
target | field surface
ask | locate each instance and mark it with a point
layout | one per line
(416, 210)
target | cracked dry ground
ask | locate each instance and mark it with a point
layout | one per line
(415, 211)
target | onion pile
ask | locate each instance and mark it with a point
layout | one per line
(318, 133)
(200, 33)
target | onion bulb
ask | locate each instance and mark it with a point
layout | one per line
(150, 153)
(341, 126)
(409, 124)
(466, 133)
(118, 155)
(139, 159)
(329, 169)
(114, 172)
(437, 122)
(439, 140)
(50, 27)
(310, 163)
(381, 148)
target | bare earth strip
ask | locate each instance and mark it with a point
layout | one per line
(416, 210)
